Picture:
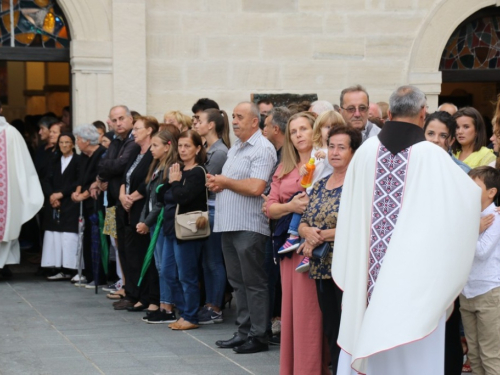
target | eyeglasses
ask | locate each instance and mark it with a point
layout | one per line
(136, 129)
(353, 109)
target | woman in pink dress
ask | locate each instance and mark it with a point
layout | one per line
(303, 348)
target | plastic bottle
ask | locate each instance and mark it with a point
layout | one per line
(308, 177)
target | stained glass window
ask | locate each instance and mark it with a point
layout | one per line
(34, 23)
(474, 45)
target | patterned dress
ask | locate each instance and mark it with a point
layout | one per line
(322, 213)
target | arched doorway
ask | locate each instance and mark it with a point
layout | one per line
(431, 40)
(470, 63)
(34, 58)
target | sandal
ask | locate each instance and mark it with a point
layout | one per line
(114, 296)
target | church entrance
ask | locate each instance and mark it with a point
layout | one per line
(35, 74)
(470, 63)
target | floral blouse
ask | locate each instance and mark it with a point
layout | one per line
(322, 213)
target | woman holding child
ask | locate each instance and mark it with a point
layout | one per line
(303, 350)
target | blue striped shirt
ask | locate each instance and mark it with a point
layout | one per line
(254, 158)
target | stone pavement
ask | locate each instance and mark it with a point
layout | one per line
(56, 328)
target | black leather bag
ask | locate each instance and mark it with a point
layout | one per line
(321, 251)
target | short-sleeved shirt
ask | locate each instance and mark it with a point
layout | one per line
(322, 212)
(254, 158)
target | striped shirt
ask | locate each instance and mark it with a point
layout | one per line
(254, 158)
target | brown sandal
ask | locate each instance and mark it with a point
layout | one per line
(114, 296)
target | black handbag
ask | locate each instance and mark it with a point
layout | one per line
(321, 251)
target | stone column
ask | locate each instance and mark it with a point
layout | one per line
(129, 54)
(92, 72)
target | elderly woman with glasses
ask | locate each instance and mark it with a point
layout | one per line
(87, 140)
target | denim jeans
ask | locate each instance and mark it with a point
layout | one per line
(160, 243)
(294, 224)
(180, 270)
(214, 270)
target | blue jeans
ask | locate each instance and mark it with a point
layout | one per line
(214, 270)
(180, 270)
(160, 243)
(294, 224)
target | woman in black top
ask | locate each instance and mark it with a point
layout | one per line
(60, 240)
(87, 140)
(133, 245)
(180, 263)
(164, 151)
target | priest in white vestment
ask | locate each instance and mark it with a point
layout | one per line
(21, 195)
(405, 239)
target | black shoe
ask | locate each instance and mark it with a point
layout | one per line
(231, 343)
(252, 345)
(160, 317)
(275, 340)
(6, 272)
(137, 308)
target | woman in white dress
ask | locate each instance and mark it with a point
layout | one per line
(61, 213)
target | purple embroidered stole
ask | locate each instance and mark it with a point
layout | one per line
(390, 178)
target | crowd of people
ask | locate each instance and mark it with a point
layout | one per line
(264, 236)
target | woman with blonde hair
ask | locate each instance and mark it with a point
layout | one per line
(322, 126)
(303, 349)
(179, 119)
(495, 138)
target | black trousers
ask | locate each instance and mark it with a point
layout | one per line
(453, 353)
(330, 303)
(136, 246)
(154, 285)
(121, 222)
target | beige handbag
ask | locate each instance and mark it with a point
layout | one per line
(185, 224)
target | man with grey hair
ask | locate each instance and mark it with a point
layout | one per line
(244, 227)
(320, 106)
(448, 107)
(275, 126)
(417, 242)
(354, 106)
(112, 167)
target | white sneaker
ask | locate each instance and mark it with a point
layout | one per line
(75, 279)
(59, 276)
(90, 285)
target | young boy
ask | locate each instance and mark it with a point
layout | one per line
(480, 299)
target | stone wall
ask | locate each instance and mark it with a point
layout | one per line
(227, 49)
(161, 55)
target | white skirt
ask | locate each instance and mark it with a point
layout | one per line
(425, 356)
(59, 250)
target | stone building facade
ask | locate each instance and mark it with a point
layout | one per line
(159, 55)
